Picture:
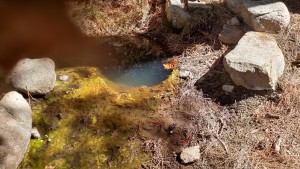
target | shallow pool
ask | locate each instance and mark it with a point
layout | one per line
(147, 73)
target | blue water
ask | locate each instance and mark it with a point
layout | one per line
(147, 73)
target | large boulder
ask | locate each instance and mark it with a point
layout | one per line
(262, 15)
(176, 14)
(36, 76)
(256, 62)
(15, 129)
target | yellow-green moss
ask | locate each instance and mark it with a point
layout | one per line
(89, 122)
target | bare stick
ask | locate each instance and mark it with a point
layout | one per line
(223, 144)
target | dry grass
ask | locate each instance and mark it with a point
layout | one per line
(158, 156)
(289, 40)
(108, 18)
(261, 123)
(242, 134)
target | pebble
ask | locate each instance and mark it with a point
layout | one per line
(277, 144)
(185, 74)
(233, 21)
(35, 134)
(63, 77)
(227, 88)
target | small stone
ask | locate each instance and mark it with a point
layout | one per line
(63, 77)
(227, 88)
(185, 74)
(277, 144)
(35, 133)
(233, 21)
(176, 14)
(190, 154)
(231, 34)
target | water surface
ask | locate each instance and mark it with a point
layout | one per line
(148, 73)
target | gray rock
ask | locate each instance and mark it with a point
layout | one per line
(185, 74)
(190, 154)
(231, 34)
(176, 14)
(233, 21)
(227, 88)
(15, 129)
(35, 134)
(262, 15)
(234, 5)
(36, 76)
(256, 62)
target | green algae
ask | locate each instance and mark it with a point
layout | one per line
(90, 122)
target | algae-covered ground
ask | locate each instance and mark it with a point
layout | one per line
(90, 122)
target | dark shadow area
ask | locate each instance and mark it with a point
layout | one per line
(204, 27)
(112, 51)
(292, 5)
(296, 64)
(211, 86)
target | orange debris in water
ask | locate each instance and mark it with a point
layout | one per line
(170, 65)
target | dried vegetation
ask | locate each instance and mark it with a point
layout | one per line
(243, 129)
(108, 18)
